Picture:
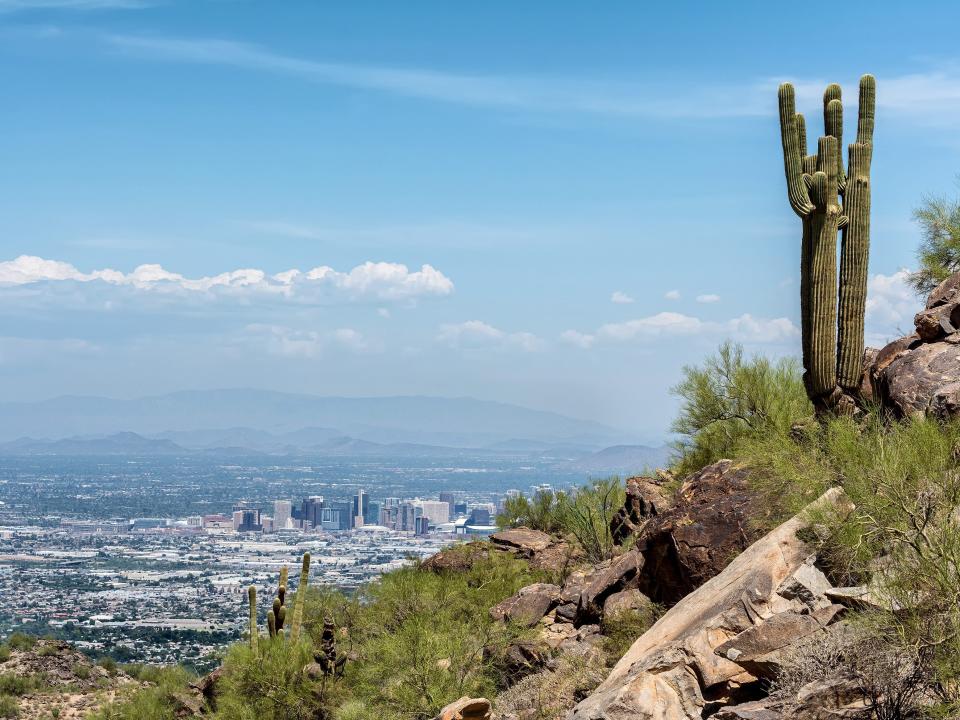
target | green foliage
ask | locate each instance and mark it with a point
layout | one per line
(9, 707)
(152, 703)
(729, 400)
(108, 664)
(21, 641)
(938, 256)
(418, 640)
(903, 484)
(269, 683)
(623, 628)
(17, 685)
(538, 512)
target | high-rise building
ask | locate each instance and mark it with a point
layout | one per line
(435, 511)
(281, 514)
(361, 502)
(450, 499)
(421, 525)
(459, 509)
(373, 514)
(249, 520)
(311, 509)
(407, 517)
(479, 516)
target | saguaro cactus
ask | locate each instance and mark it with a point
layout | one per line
(828, 200)
(254, 632)
(300, 599)
(278, 613)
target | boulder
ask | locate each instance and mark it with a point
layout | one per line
(529, 605)
(673, 671)
(645, 498)
(691, 542)
(457, 559)
(625, 601)
(946, 293)
(819, 700)
(521, 659)
(466, 709)
(523, 541)
(610, 577)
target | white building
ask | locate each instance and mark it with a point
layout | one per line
(437, 512)
(281, 514)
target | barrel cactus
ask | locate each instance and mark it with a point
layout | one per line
(829, 199)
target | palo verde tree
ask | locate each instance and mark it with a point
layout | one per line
(829, 199)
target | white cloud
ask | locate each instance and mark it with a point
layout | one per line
(478, 334)
(370, 281)
(672, 295)
(706, 299)
(296, 343)
(891, 305)
(581, 340)
(746, 328)
(620, 298)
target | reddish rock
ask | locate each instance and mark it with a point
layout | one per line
(625, 601)
(457, 559)
(529, 605)
(947, 292)
(466, 709)
(615, 575)
(645, 498)
(925, 379)
(708, 525)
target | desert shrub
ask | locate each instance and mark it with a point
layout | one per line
(21, 641)
(9, 707)
(551, 694)
(621, 629)
(938, 256)
(899, 532)
(108, 664)
(269, 683)
(730, 399)
(419, 640)
(4, 653)
(540, 512)
(81, 671)
(893, 679)
(156, 702)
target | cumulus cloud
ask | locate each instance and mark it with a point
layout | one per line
(891, 305)
(672, 295)
(380, 281)
(620, 298)
(478, 334)
(708, 298)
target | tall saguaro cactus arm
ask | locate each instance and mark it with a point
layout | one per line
(855, 252)
(254, 632)
(301, 598)
(832, 312)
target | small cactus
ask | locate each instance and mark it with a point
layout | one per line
(254, 631)
(330, 662)
(278, 613)
(300, 599)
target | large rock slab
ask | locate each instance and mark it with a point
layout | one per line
(691, 542)
(529, 605)
(466, 709)
(522, 540)
(673, 668)
(645, 498)
(621, 573)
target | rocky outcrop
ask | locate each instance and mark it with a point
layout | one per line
(457, 559)
(645, 498)
(541, 551)
(466, 709)
(686, 665)
(529, 604)
(920, 373)
(707, 526)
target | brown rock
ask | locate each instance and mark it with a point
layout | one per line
(466, 709)
(708, 525)
(613, 576)
(937, 322)
(946, 292)
(924, 380)
(529, 605)
(645, 498)
(671, 668)
(522, 659)
(522, 540)
(555, 558)
(625, 601)
(457, 559)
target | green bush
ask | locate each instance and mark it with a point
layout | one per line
(539, 512)
(17, 685)
(939, 253)
(269, 683)
(623, 628)
(729, 400)
(21, 641)
(156, 702)
(9, 707)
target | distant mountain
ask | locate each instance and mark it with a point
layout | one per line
(260, 419)
(623, 460)
(124, 443)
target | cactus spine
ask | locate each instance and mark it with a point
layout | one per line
(300, 599)
(816, 185)
(254, 632)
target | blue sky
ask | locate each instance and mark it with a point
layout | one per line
(554, 204)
